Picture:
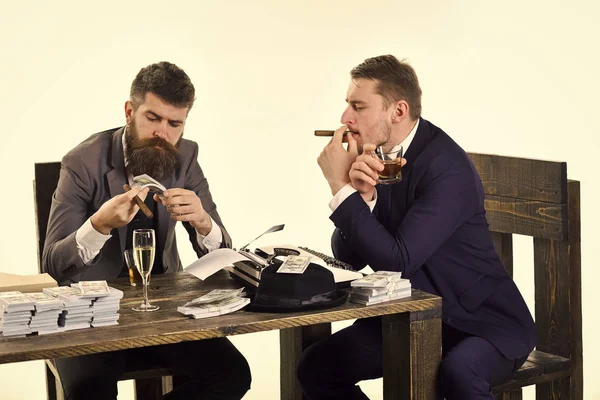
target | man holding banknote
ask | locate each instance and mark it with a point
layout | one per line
(431, 226)
(92, 220)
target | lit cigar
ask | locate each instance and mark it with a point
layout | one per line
(139, 202)
(330, 134)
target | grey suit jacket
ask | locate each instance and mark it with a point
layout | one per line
(91, 174)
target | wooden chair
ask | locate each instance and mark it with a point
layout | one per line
(534, 198)
(150, 381)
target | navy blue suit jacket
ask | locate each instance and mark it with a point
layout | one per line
(432, 227)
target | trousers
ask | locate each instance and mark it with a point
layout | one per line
(215, 369)
(331, 368)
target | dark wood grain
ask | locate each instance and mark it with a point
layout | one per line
(516, 394)
(536, 370)
(292, 342)
(527, 217)
(412, 353)
(538, 381)
(44, 184)
(534, 198)
(576, 315)
(522, 178)
(168, 326)
(552, 303)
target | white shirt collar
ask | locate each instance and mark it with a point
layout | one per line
(124, 147)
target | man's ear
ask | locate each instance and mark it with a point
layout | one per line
(401, 111)
(128, 111)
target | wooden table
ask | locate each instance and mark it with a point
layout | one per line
(411, 332)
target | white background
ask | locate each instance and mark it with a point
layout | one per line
(514, 77)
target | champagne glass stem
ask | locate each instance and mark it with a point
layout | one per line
(145, 282)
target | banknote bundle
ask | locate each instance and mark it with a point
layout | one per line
(77, 312)
(92, 289)
(216, 302)
(16, 309)
(63, 308)
(379, 287)
(48, 310)
(105, 309)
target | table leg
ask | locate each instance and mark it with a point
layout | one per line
(412, 352)
(292, 342)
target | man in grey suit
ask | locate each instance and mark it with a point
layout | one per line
(92, 219)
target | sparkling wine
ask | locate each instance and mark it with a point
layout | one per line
(144, 259)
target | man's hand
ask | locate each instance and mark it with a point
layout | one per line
(335, 161)
(185, 205)
(364, 172)
(118, 211)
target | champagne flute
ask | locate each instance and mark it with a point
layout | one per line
(143, 254)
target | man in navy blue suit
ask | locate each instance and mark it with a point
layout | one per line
(431, 226)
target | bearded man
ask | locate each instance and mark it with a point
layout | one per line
(92, 220)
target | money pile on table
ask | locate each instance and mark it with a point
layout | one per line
(16, 309)
(216, 302)
(105, 308)
(379, 287)
(77, 311)
(47, 311)
(82, 305)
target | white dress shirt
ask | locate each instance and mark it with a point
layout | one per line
(347, 190)
(90, 241)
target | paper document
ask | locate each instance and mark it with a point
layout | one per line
(214, 261)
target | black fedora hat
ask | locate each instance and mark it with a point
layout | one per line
(282, 292)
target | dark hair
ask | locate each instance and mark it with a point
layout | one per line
(396, 79)
(167, 81)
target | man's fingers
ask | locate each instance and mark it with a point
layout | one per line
(403, 162)
(338, 135)
(352, 144)
(136, 190)
(358, 175)
(365, 168)
(371, 161)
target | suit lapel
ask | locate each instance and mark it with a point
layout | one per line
(117, 177)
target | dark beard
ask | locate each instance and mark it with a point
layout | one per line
(153, 156)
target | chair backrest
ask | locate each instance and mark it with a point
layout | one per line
(44, 185)
(535, 198)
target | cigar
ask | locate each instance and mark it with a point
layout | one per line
(139, 202)
(329, 134)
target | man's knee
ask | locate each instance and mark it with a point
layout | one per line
(307, 369)
(459, 378)
(243, 377)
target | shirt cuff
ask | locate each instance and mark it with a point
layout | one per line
(89, 241)
(340, 196)
(213, 240)
(372, 203)
(344, 193)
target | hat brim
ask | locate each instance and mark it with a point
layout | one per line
(340, 298)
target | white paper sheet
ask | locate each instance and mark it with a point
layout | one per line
(212, 262)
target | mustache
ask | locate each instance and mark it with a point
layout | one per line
(153, 142)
